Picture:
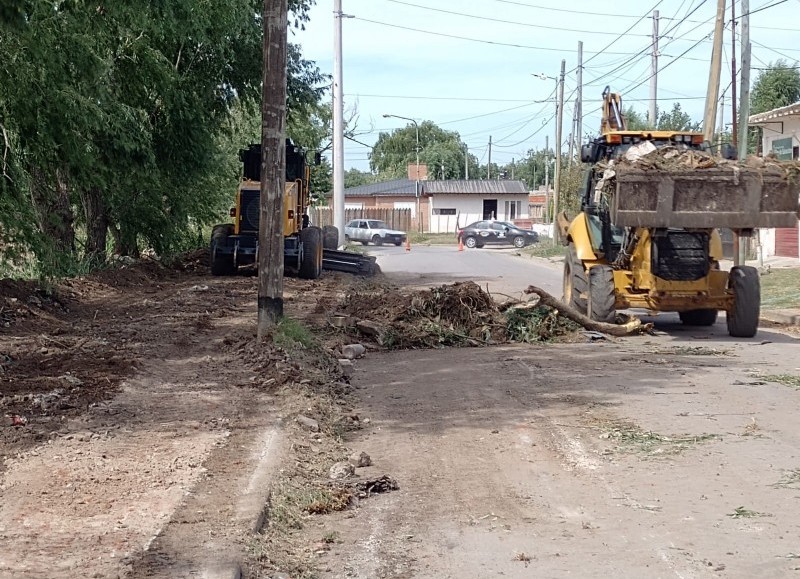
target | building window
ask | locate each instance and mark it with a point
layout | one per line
(442, 211)
(513, 209)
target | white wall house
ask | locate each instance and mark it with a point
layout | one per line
(781, 137)
(458, 203)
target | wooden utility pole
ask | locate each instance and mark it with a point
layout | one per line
(557, 179)
(734, 126)
(273, 167)
(712, 95)
(654, 74)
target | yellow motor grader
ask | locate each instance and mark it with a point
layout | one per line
(647, 234)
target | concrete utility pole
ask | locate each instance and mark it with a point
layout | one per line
(654, 74)
(579, 104)
(712, 94)
(489, 165)
(273, 167)
(338, 123)
(744, 106)
(547, 178)
(557, 189)
(466, 162)
(734, 126)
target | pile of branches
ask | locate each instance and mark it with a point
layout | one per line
(462, 314)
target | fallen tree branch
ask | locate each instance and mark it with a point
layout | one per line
(632, 326)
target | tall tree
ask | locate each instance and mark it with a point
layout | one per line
(394, 151)
(776, 86)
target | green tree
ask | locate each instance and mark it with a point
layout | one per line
(120, 118)
(776, 86)
(676, 120)
(438, 148)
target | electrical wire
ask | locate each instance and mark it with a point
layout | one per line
(489, 19)
(479, 40)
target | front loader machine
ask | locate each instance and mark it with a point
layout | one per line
(647, 236)
(305, 247)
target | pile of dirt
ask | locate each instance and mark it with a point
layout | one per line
(460, 314)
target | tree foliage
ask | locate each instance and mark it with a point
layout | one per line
(126, 117)
(441, 150)
(776, 86)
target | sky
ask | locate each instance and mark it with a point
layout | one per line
(488, 68)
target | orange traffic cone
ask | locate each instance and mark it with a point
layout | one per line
(460, 244)
(408, 244)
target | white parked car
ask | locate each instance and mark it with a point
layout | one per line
(372, 230)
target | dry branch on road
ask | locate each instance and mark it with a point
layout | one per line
(632, 326)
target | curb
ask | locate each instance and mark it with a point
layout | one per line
(781, 318)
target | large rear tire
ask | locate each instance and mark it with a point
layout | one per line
(576, 285)
(742, 318)
(311, 264)
(330, 237)
(601, 294)
(221, 264)
(705, 317)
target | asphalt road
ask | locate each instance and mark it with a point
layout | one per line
(502, 270)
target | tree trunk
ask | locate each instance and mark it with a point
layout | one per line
(124, 241)
(94, 209)
(632, 326)
(53, 210)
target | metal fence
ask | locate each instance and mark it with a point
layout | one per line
(399, 219)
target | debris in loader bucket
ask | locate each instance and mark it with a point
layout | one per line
(671, 187)
(460, 314)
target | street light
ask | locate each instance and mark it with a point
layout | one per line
(416, 172)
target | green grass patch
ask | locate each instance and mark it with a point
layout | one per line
(785, 379)
(291, 334)
(780, 288)
(432, 238)
(546, 248)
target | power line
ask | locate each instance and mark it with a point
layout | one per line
(489, 19)
(479, 40)
(631, 27)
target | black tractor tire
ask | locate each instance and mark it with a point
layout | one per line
(706, 317)
(377, 240)
(470, 242)
(743, 317)
(518, 241)
(601, 300)
(311, 264)
(330, 237)
(221, 264)
(576, 284)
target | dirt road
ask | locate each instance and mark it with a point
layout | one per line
(647, 457)
(146, 434)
